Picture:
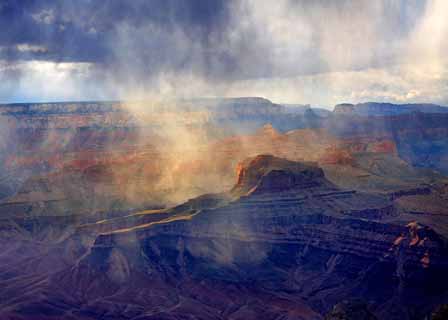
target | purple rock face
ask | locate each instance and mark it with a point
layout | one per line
(291, 239)
(267, 174)
(295, 245)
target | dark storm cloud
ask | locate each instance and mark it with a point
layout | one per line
(108, 48)
(75, 31)
(214, 38)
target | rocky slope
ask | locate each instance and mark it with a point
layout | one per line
(283, 243)
(88, 228)
(99, 170)
(421, 138)
(387, 109)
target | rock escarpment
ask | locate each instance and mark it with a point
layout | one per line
(290, 240)
(119, 157)
(284, 232)
(266, 174)
(383, 109)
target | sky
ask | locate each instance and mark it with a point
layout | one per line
(290, 51)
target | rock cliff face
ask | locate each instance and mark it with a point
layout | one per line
(268, 174)
(385, 109)
(421, 138)
(345, 108)
(336, 211)
(284, 242)
(123, 168)
(111, 147)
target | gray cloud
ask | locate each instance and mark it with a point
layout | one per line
(288, 50)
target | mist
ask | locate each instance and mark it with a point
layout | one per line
(151, 56)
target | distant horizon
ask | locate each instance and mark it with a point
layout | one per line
(330, 108)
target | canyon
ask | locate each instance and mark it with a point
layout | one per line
(221, 209)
